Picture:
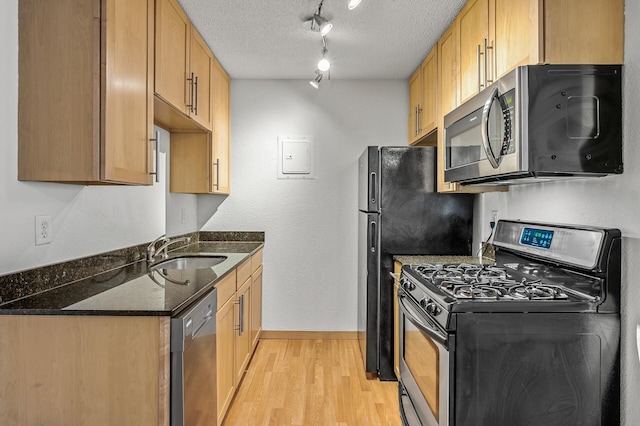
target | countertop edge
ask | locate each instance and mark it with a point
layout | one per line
(110, 312)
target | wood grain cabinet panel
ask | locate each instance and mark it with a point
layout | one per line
(220, 154)
(84, 370)
(77, 120)
(473, 35)
(423, 99)
(256, 306)
(183, 67)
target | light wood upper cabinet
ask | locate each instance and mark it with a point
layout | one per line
(423, 98)
(183, 67)
(555, 32)
(220, 158)
(200, 83)
(172, 53)
(473, 34)
(415, 101)
(77, 122)
(448, 93)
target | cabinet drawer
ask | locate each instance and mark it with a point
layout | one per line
(256, 260)
(244, 272)
(226, 288)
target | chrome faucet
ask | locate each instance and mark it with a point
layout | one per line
(162, 250)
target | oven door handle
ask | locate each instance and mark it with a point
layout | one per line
(426, 325)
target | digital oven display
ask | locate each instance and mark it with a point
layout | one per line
(536, 237)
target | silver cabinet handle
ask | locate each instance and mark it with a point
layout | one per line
(217, 166)
(488, 80)
(196, 97)
(156, 144)
(241, 314)
(478, 55)
(191, 96)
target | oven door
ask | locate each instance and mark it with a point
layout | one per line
(424, 366)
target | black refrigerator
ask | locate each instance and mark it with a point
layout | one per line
(399, 213)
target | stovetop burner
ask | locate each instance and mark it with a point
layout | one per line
(490, 282)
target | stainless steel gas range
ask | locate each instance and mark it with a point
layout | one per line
(533, 339)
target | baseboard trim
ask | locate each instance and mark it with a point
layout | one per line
(309, 335)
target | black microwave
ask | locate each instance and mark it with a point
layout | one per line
(538, 122)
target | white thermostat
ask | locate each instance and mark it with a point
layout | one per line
(296, 157)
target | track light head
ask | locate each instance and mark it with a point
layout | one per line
(315, 83)
(318, 24)
(353, 4)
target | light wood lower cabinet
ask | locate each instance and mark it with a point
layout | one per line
(256, 306)
(239, 323)
(84, 370)
(243, 333)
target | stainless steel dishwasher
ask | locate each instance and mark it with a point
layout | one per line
(193, 364)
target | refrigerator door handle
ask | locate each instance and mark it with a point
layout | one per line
(373, 237)
(372, 187)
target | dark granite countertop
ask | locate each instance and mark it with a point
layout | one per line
(132, 289)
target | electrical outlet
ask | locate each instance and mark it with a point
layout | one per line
(494, 216)
(183, 216)
(44, 231)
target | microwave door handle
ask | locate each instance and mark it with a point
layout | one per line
(430, 329)
(495, 162)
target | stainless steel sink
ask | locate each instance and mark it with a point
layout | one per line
(189, 262)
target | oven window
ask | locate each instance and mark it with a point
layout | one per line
(423, 359)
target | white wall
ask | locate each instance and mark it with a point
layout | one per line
(310, 256)
(613, 201)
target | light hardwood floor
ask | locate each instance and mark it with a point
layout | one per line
(311, 382)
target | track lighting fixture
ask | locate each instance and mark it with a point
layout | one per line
(315, 83)
(353, 4)
(318, 23)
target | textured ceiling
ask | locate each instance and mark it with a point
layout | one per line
(265, 39)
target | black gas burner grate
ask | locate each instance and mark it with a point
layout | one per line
(488, 282)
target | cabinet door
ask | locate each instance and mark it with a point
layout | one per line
(172, 53)
(243, 328)
(225, 356)
(189, 163)
(584, 32)
(515, 29)
(415, 101)
(127, 149)
(256, 306)
(201, 64)
(448, 93)
(428, 116)
(473, 26)
(220, 160)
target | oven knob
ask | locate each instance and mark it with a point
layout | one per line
(424, 303)
(432, 309)
(408, 285)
